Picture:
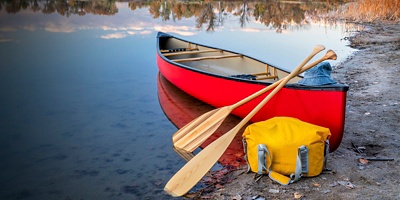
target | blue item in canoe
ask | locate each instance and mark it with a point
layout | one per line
(318, 75)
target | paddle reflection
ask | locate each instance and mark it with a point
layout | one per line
(180, 109)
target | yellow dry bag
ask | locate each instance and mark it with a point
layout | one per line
(285, 146)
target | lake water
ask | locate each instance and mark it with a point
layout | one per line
(80, 115)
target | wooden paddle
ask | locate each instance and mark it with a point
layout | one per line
(198, 166)
(192, 135)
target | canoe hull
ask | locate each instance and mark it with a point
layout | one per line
(323, 106)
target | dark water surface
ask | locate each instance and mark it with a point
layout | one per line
(80, 116)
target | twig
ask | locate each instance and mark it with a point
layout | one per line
(380, 159)
(357, 148)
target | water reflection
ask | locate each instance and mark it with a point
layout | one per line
(180, 109)
(208, 14)
(63, 7)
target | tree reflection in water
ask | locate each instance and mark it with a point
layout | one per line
(277, 15)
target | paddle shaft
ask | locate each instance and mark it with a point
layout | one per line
(191, 136)
(197, 167)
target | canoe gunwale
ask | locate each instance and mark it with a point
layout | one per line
(335, 87)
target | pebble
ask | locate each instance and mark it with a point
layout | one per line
(274, 191)
(347, 184)
(257, 198)
(326, 191)
(334, 184)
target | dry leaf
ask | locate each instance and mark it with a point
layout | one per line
(316, 185)
(297, 195)
(191, 195)
(363, 161)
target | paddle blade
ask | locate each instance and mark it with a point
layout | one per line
(192, 125)
(196, 132)
(184, 154)
(199, 165)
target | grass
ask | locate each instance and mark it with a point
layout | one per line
(373, 10)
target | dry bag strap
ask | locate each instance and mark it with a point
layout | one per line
(303, 155)
(301, 165)
(245, 155)
(262, 166)
(326, 153)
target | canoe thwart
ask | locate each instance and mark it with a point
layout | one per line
(207, 57)
(267, 77)
(191, 52)
(259, 76)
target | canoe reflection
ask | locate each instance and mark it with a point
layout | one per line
(181, 108)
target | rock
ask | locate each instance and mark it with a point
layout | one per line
(273, 191)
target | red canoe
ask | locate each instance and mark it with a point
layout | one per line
(220, 78)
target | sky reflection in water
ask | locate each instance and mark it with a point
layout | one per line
(79, 113)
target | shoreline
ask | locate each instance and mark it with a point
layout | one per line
(372, 122)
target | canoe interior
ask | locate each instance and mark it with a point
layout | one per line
(219, 62)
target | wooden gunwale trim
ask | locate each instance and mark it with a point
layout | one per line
(191, 52)
(205, 58)
(178, 50)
